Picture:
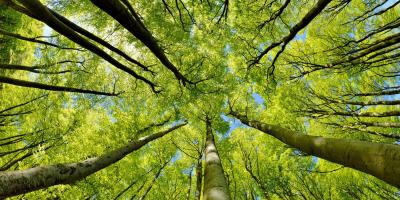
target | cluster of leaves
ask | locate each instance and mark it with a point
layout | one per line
(317, 83)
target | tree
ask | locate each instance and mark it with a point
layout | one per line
(364, 156)
(39, 177)
(214, 180)
(95, 81)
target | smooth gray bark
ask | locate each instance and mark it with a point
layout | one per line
(215, 187)
(23, 181)
(199, 177)
(377, 159)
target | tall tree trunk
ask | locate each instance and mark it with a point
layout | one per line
(199, 177)
(93, 37)
(22, 181)
(35, 9)
(215, 187)
(377, 159)
(130, 20)
(190, 184)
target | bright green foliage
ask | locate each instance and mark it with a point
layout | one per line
(317, 69)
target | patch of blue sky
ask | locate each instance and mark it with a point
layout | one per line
(188, 171)
(385, 5)
(392, 97)
(368, 27)
(258, 99)
(176, 122)
(108, 70)
(307, 125)
(352, 35)
(73, 104)
(112, 119)
(107, 104)
(38, 52)
(47, 31)
(314, 160)
(229, 69)
(233, 31)
(33, 76)
(302, 36)
(261, 46)
(18, 124)
(297, 152)
(192, 31)
(314, 163)
(227, 49)
(222, 136)
(233, 124)
(176, 156)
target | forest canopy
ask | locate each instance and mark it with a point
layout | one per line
(200, 99)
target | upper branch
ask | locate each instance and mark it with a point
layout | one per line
(38, 11)
(129, 19)
(317, 9)
(23, 83)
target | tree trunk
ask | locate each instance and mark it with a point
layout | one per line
(37, 10)
(199, 177)
(130, 20)
(379, 160)
(215, 187)
(93, 37)
(190, 184)
(22, 181)
(29, 84)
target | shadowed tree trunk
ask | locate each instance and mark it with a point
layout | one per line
(199, 177)
(190, 184)
(129, 19)
(377, 159)
(22, 181)
(37, 10)
(93, 37)
(215, 187)
(42, 86)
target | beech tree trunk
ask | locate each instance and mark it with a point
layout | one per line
(35, 9)
(23, 181)
(377, 159)
(93, 37)
(190, 185)
(215, 187)
(130, 20)
(199, 177)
